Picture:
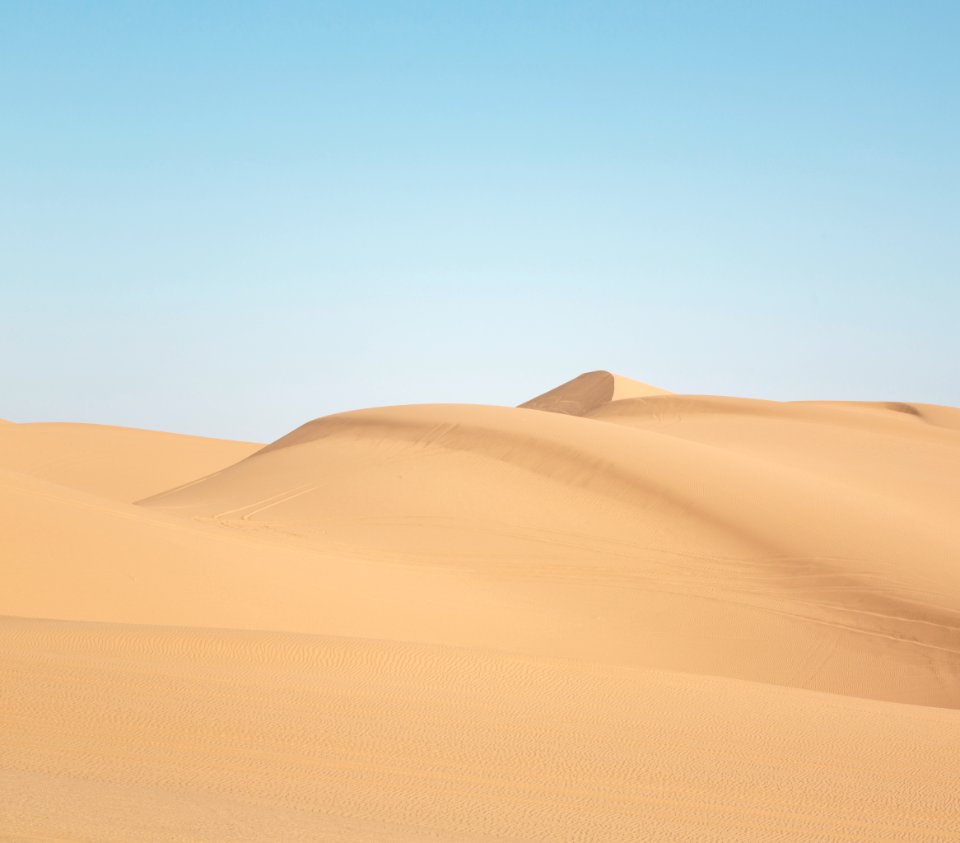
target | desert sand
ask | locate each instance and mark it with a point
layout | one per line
(612, 613)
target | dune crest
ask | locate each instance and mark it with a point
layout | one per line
(585, 393)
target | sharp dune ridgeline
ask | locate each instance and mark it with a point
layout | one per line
(613, 613)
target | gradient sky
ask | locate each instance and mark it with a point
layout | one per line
(227, 218)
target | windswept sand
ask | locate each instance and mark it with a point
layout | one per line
(611, 614)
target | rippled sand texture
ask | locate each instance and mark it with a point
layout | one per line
(611, 614)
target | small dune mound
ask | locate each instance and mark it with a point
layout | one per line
(588, 391)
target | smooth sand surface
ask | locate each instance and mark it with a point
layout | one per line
(611, 614)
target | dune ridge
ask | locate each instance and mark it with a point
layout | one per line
(628, 615)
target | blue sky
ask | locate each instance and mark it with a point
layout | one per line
(227, 218)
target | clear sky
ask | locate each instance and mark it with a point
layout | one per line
(228, 218)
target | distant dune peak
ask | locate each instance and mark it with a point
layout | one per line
(588, 391)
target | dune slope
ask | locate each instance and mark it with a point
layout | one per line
(182, 734)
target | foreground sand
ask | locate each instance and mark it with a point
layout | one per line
(611, 614)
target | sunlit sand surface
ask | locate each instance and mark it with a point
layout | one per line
(613, 613)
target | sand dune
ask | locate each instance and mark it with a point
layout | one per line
(117, 462)
(613, 613)
(660, 550)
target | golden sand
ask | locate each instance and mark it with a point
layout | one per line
(611, 614)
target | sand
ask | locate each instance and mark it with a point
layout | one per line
(610, 614)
